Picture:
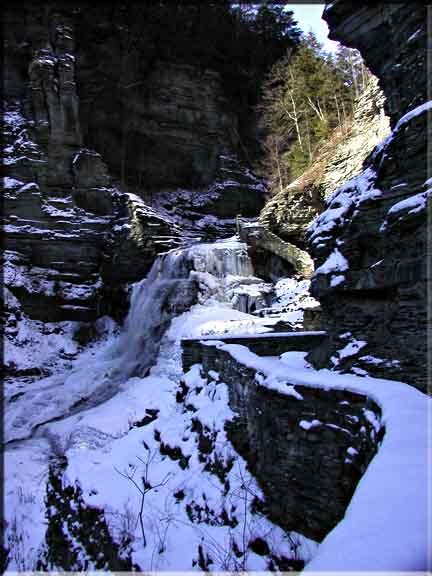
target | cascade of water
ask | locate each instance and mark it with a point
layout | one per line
(173, 285)
(169, 290)
(165, 293)
(222, 259)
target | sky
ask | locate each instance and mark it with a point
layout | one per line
(308, 17)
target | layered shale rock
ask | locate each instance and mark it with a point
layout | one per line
(87, 117)
(290, 212)
(156, 122)
(370, 125)
(165, 127)
(212, 212)
(370, 244)
(392, 39)
(61, 207)
(59, 247)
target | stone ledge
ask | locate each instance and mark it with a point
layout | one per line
(267, 344)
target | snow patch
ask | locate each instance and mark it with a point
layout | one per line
(415, 113)
(308, 425)
(336, 262)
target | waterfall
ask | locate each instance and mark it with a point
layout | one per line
(166, 292)
(172, 287)
(178, 279)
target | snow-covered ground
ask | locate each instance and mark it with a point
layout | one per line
(96, 413)
(291, 298)
(125, 430)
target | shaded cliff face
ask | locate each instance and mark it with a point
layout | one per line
(84, 109)
(290, 212)
(166, 129)
(156, 123)
(70, 237)
(370, 244)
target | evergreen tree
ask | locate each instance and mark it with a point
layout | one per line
(262, 36)
(304, 98)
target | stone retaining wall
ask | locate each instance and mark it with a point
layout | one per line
(269, 344)
(307, 454)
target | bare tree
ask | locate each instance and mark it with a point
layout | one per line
(144, 486)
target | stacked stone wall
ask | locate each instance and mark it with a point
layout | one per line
(307, 450)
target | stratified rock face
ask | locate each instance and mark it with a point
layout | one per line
(211, 212)
(65, 222)
(61, 243)
(370, 244)
(369, 127)
(82, 106)
(156, 123)
(164, 129)
(290, 212)
(392, 39)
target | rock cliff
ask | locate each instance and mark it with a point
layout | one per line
(165, 130)
(92, 126)
(65, 231)
(392, 39)
(156, 122)
(289, 213)
(370, 244)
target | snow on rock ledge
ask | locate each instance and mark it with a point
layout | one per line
(378, 221)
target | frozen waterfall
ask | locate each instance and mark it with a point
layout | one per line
(177, 280)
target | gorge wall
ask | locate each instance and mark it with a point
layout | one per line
(91, 123)
(370, 244)
(392, 40)
(159, 122)
(66, 223)
(289, 213)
